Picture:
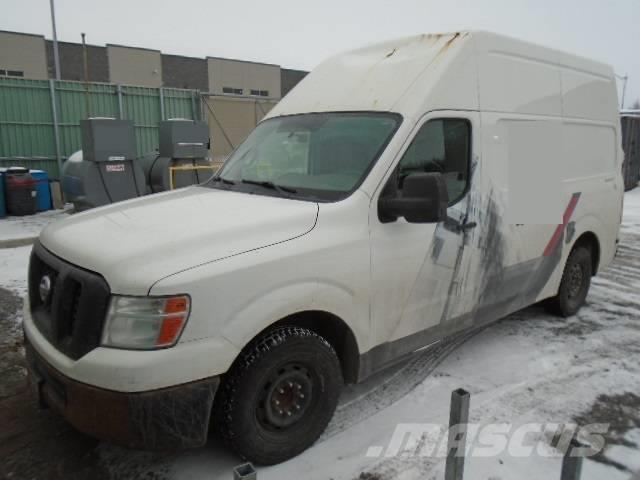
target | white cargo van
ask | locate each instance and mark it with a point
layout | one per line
(399, 194)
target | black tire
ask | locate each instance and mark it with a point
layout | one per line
(279, 395)
(574, 285)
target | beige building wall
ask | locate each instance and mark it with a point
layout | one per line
(235, 118)
(244, 76)
(24, 53)
(134, 66)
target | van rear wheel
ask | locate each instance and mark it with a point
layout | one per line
(574, 285)
(279, 395)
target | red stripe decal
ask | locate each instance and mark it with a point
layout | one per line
(557, 234)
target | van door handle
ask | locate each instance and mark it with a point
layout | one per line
(463, 227)
(468, 225)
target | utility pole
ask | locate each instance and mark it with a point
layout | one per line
(56, 56)
(85, 64)
(624, 88)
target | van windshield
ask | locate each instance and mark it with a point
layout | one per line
(316, 156)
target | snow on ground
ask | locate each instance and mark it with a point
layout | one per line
(529, 367)
(631, 212)
(13, 228)
(13, 268)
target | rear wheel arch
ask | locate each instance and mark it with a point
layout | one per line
(589, 240)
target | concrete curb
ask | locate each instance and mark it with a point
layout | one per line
(17, 242)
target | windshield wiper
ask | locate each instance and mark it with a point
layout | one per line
(270, 185)
(223, 180)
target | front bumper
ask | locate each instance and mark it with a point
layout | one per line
(165, 419)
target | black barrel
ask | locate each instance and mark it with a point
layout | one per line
(20, 192)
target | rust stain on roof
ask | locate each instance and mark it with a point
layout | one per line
(450, 42)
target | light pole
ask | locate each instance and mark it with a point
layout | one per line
(85, 64)
(624, 88)
(56, 57)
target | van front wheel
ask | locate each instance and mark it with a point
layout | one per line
(574, 285)
(279, 395)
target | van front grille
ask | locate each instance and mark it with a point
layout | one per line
(68, 303)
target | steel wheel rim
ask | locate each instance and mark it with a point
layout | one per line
(576, 279)
(286, 397)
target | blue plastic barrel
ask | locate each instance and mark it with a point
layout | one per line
(3, 208)
(43, 190)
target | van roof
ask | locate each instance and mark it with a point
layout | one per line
(467, 70)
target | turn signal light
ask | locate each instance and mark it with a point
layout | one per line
(144, 323)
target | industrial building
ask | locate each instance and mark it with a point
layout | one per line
(232, 95)
(23, 55)
(31, 56)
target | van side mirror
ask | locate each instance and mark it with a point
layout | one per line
(423, 199)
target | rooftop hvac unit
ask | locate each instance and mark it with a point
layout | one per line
(105, 170)
(181, 159)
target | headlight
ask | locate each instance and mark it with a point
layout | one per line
(145, 322)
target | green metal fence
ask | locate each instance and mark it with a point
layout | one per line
(39, 119)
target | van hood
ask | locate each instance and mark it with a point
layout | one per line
(134, 244)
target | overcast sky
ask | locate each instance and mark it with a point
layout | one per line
(299, 33)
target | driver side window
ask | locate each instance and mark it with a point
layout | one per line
(443, 146)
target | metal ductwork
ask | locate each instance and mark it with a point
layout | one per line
(105, 170)
(182, 157)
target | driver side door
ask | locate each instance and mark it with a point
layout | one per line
(419, 271)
